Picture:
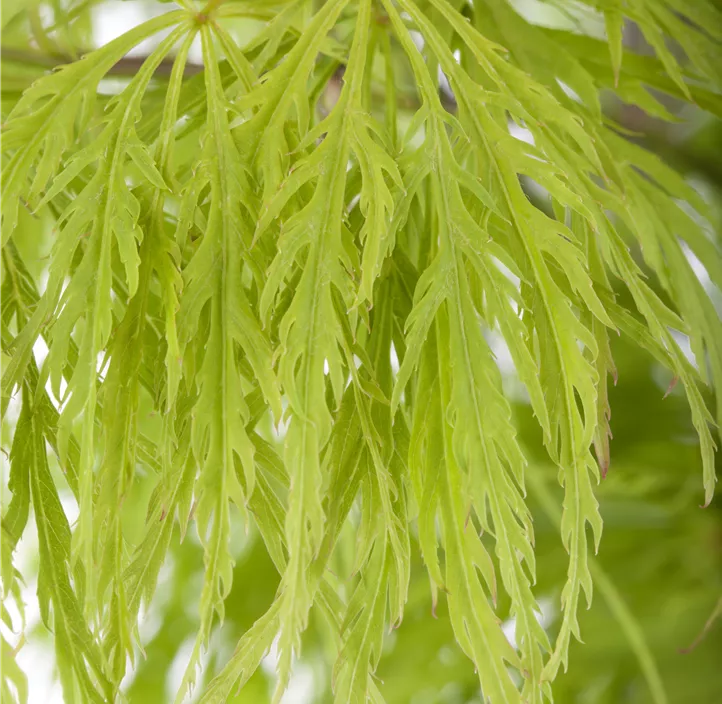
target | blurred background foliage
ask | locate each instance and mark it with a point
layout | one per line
(651, 633)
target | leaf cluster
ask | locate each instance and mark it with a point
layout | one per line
(274, 285)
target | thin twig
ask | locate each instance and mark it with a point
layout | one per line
(127, 66)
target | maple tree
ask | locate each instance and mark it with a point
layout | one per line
(276, 290)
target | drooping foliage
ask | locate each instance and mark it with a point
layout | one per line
(279, 285)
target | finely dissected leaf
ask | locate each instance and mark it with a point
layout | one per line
(79, 658)
(40, 134)
(477, 419)
(115, 222)
(218, 432)
(304, 292)
(121, 389)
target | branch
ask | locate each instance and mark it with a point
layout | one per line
(127, 66)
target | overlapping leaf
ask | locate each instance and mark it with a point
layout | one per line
(360, 183)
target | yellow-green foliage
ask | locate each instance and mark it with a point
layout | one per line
(244, 253)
